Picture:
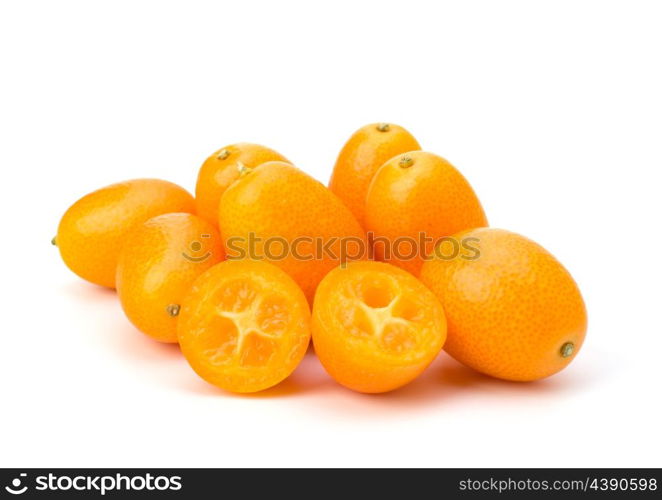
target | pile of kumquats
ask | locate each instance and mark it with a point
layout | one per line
(390, 263)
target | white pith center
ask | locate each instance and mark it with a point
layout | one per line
(381, 317)
(246, 323)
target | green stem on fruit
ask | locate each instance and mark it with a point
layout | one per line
(567, 349)
(383, 127)
(54, 241)
(223, 154)
(406, 161)
(243, 169)
(173, 310)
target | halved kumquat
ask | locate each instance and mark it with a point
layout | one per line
(375, 326)
(244, 326)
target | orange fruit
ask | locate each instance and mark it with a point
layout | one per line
(244, 326)
(158, 264)
(361, 156)
(375, 326)
(418, 196)
(513, 310)
(220, 170)
(92, 230)
(278, 213)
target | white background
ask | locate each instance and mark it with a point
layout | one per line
(553, 110)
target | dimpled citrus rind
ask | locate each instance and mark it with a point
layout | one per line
(514, 312)
(278, 203)
(220, 170)
(361, 156)
(92, 231)
(414, 194)
(158, 263)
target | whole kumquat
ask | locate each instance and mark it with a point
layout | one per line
(415, 199)
(158, 264)
(361, 156)
(514, 312)
(221, 169)
(92, 231)
(278, 213)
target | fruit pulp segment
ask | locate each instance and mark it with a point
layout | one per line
(245, 327)
(378, 310)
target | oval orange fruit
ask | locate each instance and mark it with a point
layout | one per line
(220, 170)
(244, 326)
(157, 266)
(375, 326)
(278, 213)
(514, 312)
(361, 156)
(91, 232)
(413, 200)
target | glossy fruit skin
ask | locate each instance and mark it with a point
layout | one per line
(157, 266)
(220, 170)
(277, 200)
(511, 310)
(419, 192)
(91, 232)
(360, 158)
(357, 319)
(244, 326)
